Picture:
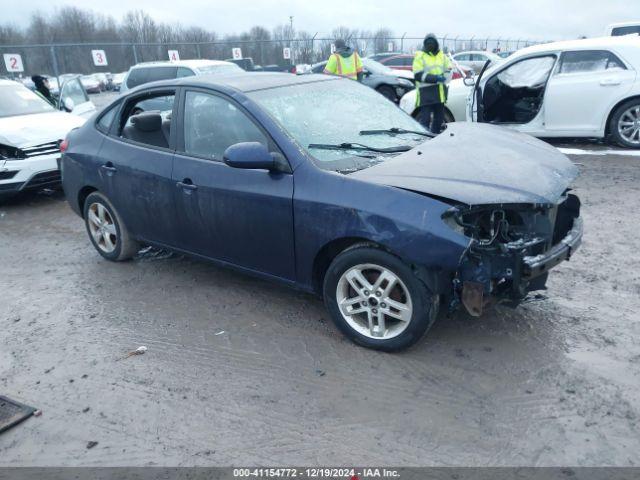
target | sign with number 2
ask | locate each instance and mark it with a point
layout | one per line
(13, 62)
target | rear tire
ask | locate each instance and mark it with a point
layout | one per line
(625, 124)
(376, 300)
(107, 231)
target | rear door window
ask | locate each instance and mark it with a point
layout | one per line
(589, 61)
(147, 120)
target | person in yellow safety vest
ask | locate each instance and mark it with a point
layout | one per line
(432, 73)
(345, 62)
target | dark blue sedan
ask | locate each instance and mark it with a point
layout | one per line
(324, 185)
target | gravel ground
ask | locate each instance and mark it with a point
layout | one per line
(240, 371)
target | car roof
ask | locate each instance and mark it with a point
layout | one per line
(194, 63)
(7, 83)
(584, 44)
(243, 81)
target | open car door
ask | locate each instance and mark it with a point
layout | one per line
(74, 99)
(514, 95)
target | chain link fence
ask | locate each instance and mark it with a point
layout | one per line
(58, 59)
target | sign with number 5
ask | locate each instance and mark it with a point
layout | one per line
(99, 58)
(13, 62)
(237, 53)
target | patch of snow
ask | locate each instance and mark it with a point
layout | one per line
(579, 151)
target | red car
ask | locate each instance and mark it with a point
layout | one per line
(404, 61)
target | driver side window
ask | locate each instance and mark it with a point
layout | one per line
(212, 124)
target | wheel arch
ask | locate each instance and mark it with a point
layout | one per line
(331, 250)
(82, 196)
(607, 125)
(438, 281)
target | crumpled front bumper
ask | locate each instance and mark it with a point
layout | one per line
(539, 264)
(484, 278)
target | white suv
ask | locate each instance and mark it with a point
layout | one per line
(30, 134)
(154, 71)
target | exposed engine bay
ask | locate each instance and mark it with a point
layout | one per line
(512, 248)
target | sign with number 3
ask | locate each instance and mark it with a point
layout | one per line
(99, 58)
(13, 62)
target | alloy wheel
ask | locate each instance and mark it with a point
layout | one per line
(374, 301)
(629, 125)
(102, 227)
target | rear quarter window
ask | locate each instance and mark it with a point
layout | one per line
(106, 119)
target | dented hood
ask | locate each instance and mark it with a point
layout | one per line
(479, 164)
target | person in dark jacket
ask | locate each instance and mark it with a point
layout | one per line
(43, 89)
(345, 62)
(432, 72)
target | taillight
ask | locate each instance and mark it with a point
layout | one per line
(456, 75)
(64, 145)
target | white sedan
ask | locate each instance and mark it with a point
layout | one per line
(577, 88)
(30, 134)
(580, 88)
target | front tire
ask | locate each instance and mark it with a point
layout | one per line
(376, 300)
(625, 124)
(106, 230)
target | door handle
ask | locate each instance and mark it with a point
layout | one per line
(609, 81)
(109, 168)
(186, 184)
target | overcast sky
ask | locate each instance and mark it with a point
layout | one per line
(533, 19)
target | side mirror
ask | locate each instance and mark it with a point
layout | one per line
(366, 72)
(68, 104)
(251, 155)
(469, 81)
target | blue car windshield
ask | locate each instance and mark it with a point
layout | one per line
(335, 112)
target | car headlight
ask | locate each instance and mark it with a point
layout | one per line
(405, 82)
(10, 153)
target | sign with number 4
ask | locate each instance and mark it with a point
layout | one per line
(174, 55)
(99, 58)
(13, 62)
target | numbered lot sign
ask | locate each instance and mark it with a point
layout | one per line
(174, 55)
(99, 58)
(333, 48)
(237, 53)
(13, 62)
(390, 46)
(286, 53)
